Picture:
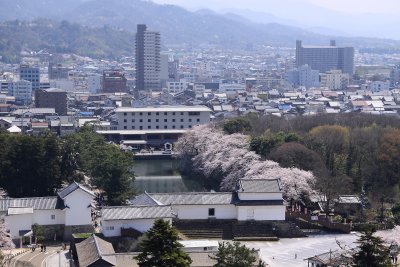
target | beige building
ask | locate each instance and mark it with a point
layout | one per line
(335, 80)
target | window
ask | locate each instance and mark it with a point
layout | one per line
(125, 114)
(181, 120)
(181, 126)
(133, 113)
(165, 120)
(53, 217)
(148, 113)
(190, 126)
(182, 113)
(140, 120)
(157, 120)
(173, 113)
(194, 113)
(173, 120)
(141, 127)
(125, 128)
(148, 127)
(133, 127)
(173, 126)
(157, 127)
(211, 212)
(198, 120)
(133, 120)
(190, 120)
(165, 127)
(109, 228)
(149, 120)
(140, 113)
(165, 113)
(125, 120)
(157, 113)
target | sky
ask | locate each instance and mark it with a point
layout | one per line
(347, 6)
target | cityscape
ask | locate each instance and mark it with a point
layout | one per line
(174, 133)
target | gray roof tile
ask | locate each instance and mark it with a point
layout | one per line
(134, 212)
(259, 186)
(71, 188)
(37, 203)
(203, 198)
(93, 249)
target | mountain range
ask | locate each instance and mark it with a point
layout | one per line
(177, 25)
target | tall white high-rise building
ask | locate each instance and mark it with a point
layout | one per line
(148, 59)
(303, 76)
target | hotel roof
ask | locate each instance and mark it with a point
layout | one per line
(164, 109)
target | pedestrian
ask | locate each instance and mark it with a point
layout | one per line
(295, 255)
(41, 248)
(44, 248)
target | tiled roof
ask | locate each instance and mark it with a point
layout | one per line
(37, 203)
(71, 188)
(133, 212)
(144, 200)
(197, 198)
(259, 186)
(93, 249)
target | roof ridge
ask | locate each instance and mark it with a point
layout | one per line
(97, 246)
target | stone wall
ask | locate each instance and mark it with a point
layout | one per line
(49, 231)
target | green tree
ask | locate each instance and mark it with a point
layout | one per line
(235, 255)
(236, 125)
(263, 145)
(372, 252)
(161, 247)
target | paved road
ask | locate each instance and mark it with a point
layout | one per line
(283, 252)
(36, 258)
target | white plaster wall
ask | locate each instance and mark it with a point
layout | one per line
(262, 213)
(200, 212)
(79, 210)
(15, 223)
(259, 196)
(141, 225)
(43, 217)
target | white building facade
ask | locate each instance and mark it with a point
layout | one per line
(335, 80)
(167, 117)
(254, 200)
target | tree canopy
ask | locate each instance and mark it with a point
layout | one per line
(160, 247)
(235, 255)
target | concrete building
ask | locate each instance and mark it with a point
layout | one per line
(148, 59)
(176, 87)
(22, 91)
(94, 83)
(335, 80)
(326, 58)
(52, 98)
(166, 117)
(303, 76)
(31, 74)
(377, 86)
(395, 76)
(114, 82)
(58, 71)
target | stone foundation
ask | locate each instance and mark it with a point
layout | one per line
(50, 231)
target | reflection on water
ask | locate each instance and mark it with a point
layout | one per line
(162, 176)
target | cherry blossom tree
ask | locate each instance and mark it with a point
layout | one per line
(227, 158)
(5, 239)
(390, 236)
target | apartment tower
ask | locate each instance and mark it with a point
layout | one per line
(148, 65)
(326, 58)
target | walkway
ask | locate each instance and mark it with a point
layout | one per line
(40, 259)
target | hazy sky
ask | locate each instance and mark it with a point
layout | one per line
(348, 6)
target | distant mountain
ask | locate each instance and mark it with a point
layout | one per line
(177, 25)
(63, 37)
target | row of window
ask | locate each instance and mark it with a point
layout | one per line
(157, 120)
(157, 127)
(193, 113)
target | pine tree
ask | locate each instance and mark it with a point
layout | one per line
(161, 247)
(235, 255)
(372, 252)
